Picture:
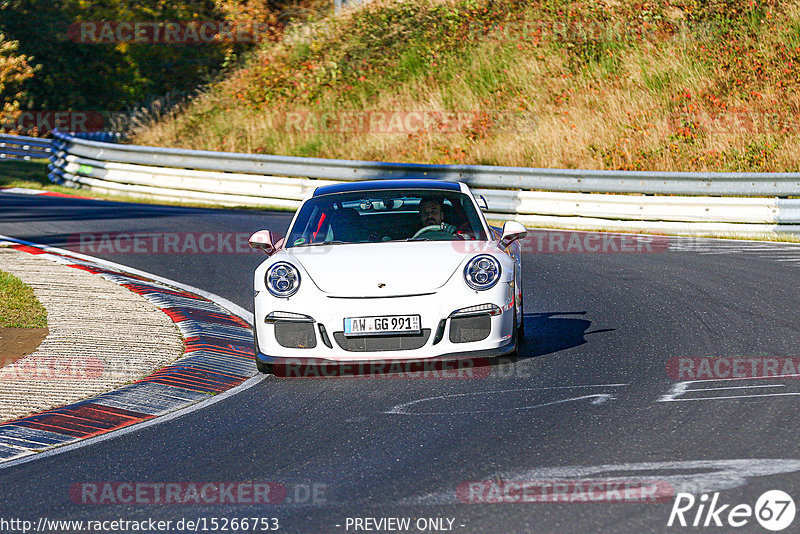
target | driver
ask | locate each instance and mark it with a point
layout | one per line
(431, 213)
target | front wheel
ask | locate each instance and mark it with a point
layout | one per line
(262, 367)
(515, 335)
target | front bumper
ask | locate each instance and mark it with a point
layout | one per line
(472, 355)
(322, 335)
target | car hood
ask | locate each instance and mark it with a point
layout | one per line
(382, 269)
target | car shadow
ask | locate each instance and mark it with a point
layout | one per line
(551, 332)
(545, 333)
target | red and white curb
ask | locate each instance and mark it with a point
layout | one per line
(38, 192)
(218, 357)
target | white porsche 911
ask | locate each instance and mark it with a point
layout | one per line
(388, 269)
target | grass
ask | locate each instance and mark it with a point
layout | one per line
(672, 85)
(19, 307)
(20, 173)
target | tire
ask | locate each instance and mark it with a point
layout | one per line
(521, 328)
(515, 334)
(262, 367)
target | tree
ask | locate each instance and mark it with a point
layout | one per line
(118, 75)
(14, 70)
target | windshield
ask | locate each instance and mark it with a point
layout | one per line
(386, 215)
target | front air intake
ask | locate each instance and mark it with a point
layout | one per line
(470, 328)
(295, 335)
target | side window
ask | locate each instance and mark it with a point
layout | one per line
(310, 227)
(456, 213)
(320, 227)
(471, 219)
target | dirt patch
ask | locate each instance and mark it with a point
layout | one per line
(18, 342)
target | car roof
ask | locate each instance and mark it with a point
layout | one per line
(373, 185)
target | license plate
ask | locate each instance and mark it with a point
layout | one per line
(382, 324)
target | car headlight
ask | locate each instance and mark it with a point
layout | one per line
(282, 279)
(482, 272)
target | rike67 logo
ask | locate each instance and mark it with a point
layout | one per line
(774, 510)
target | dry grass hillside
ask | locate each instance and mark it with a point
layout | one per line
(674, 85)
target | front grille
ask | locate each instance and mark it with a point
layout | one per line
(294, 335)
(382, 343)
(469, 329)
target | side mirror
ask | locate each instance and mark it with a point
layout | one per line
(512, 230)
(266, 241)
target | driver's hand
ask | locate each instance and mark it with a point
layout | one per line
(449, 228)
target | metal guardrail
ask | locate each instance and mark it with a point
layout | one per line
(587, 181)
(21, 147)
(743, 203)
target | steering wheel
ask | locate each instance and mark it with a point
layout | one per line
(430, 228)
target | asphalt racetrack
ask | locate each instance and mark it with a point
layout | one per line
(602, 393)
